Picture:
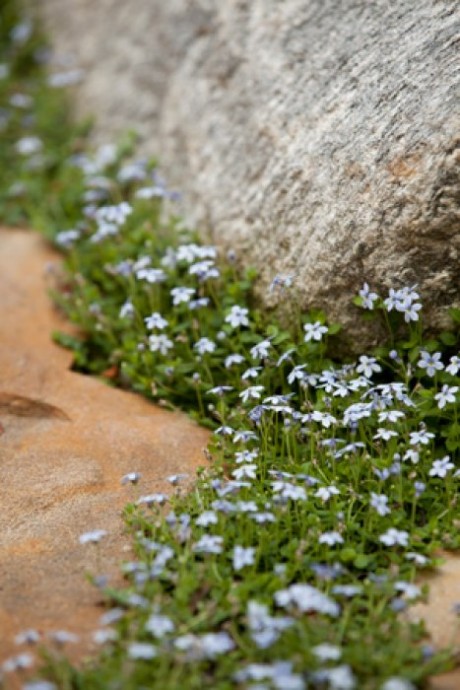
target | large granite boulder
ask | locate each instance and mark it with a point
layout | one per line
(314, 137)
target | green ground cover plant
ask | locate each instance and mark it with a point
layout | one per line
(292, 560)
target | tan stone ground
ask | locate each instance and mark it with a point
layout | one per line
(60, 469)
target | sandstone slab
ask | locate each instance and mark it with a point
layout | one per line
(316, 138)
(66, 441)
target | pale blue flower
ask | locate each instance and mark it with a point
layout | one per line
(204, 346)
(454, 365)
(159, 626)
(93, 537)
(446, 395)
(369, 298)
(253, 392)
(160, 343)
(142, 650)
(182, 294)
(421, 436)
(245, 472)
(209, 544)
(368, 366)
(243, 557)
(431, 362)
(380, 503)
(306, 598)
(314, 331)
(260, 351)
(394, 537)
(155, 320)
(238, 316)
(330, 538)
(208, 517)
(441, 467)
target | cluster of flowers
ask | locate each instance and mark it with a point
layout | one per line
(324, 474)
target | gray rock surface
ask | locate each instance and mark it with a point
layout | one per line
(315, 137)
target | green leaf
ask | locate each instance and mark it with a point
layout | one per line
(347, 555)
(448, 339)
(362, 561)
(334, 328)
(454, 314)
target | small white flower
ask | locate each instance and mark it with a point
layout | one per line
(251, 393)
(27, 146)
(314, 331)
(62, 637)
(151, 275)
(142, 650)
(130, 478)
(330, 538)
(66, 238)
(368, 366)
(17, 663)
(417, 558)
(368, 297)
(243, 556)
(151, 499)
(263, 518)
(126, 310)
(251, 373)
(29, 636)
(92, 537)
(245, 471)
(412, 455)
(39, 685)
(297, 374)
(204, 345)
(116, 214)
(260, 351)
(385, 434)
(208, 517)
(155, 320)
(411, 310)
(306, 598)
(395, 300)
(230, 360)
(238, 316)
(104, 635)
(325, 492)
(182, 294)
(396, 683)
(454, 365)
(395, 537)
(340, 678)
(409, 590)
(327, 652)
(380, 503)
(214, 644)
(174, 479)
(441, 467)
(392, 416)
(431, 362)
(160, 343)
(421, 436)
(209, 544)
(446, 395)
(159, 626)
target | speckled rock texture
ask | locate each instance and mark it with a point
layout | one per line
(315, 137)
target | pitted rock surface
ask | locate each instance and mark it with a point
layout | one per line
(65, 442)
(316, 138)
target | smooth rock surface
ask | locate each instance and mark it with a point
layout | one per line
(66, 440)
(316, 138)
